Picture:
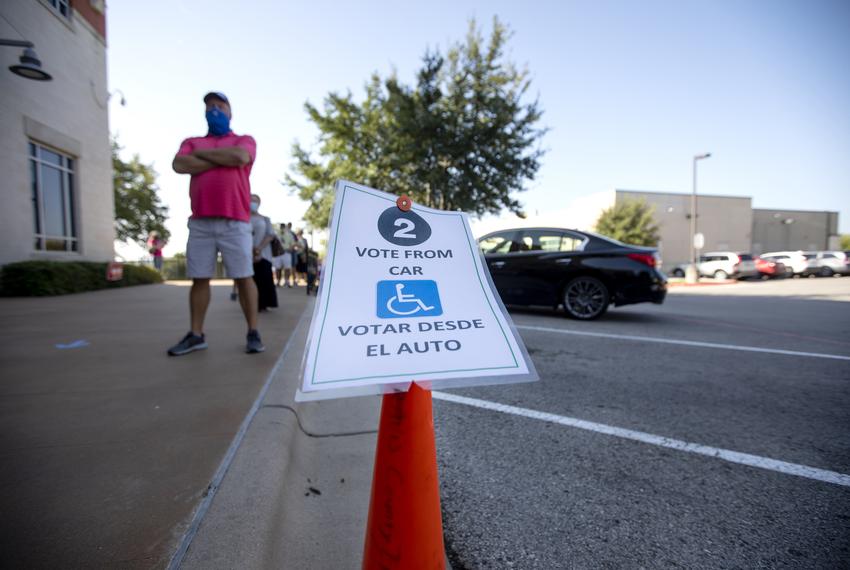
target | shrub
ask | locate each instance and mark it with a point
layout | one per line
(41, 278)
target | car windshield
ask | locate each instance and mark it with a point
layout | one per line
(745, 256)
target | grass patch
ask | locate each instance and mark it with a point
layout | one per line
(43, 278)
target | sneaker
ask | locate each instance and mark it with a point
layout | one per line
(254, 343)
(190, 343)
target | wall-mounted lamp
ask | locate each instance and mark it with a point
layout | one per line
(123, 99)
(108, 98)
(30, 65)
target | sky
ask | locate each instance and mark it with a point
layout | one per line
(631, 91)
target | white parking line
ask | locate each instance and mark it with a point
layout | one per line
(685, 342)
(725, 454)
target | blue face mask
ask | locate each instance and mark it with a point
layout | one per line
(218, 122)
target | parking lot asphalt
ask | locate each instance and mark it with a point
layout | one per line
(624, 453)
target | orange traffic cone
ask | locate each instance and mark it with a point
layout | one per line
(405, 527)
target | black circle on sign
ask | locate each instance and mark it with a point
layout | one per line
(403, 228)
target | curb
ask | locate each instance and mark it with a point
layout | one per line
(701, 283)
(221, 472)
(294, 492)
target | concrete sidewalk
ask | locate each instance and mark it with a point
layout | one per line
(108, 446)
(297, 492)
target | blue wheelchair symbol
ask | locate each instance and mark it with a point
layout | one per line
(399, 299)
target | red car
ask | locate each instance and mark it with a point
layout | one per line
(770, 269)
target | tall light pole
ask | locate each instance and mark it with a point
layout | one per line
(693, 274)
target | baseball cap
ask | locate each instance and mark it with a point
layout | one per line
(217, 95)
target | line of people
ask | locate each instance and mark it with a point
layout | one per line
(282, 259)
(290, 265)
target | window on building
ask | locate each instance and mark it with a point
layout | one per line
(61, 6)
(52, 175)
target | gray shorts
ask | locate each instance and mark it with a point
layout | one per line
(283, 261)
(208, 236)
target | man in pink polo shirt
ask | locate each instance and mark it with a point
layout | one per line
(220, 164)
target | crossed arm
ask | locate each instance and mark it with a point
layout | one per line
(202, 160)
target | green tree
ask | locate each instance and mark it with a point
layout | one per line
(138, 210)
(845, 242)
(461, 138)
(630, 221)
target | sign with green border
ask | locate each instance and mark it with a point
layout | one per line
(405, 296)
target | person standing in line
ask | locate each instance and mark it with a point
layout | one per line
(220, 193)
(155, 245)
(284, 261)
(301, 248)
(294, 252)
(312, 271)
(277, 261)
(288, 241)
(263, 233)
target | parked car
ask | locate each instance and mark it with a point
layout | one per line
(727, 264)
(721, 265)
(827, 263)
(792, 259)
(770, 269)
(581, 271)
(678, 270)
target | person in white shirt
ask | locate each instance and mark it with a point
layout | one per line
(263, 233)
(283, 263)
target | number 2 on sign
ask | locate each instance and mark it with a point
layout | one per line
(405, 229)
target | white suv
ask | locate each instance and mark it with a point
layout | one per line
(827, 263)
(794, 260)
(726, 264)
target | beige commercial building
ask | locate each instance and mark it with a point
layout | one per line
(781, 230)
(54, 135)
(730, 223)
(726, 222)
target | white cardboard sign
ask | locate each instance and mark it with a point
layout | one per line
(405, 296)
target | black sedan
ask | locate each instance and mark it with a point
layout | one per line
(582, 271)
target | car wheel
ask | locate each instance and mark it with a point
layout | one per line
(678, 272)
(721, 275)
(826, 272)
(586, 298)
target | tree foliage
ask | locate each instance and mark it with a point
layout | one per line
(845, 242)
(138, 209)
(630, 221)
(461, 138)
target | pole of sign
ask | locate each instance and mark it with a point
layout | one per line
(405, 526)
(693, 272)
